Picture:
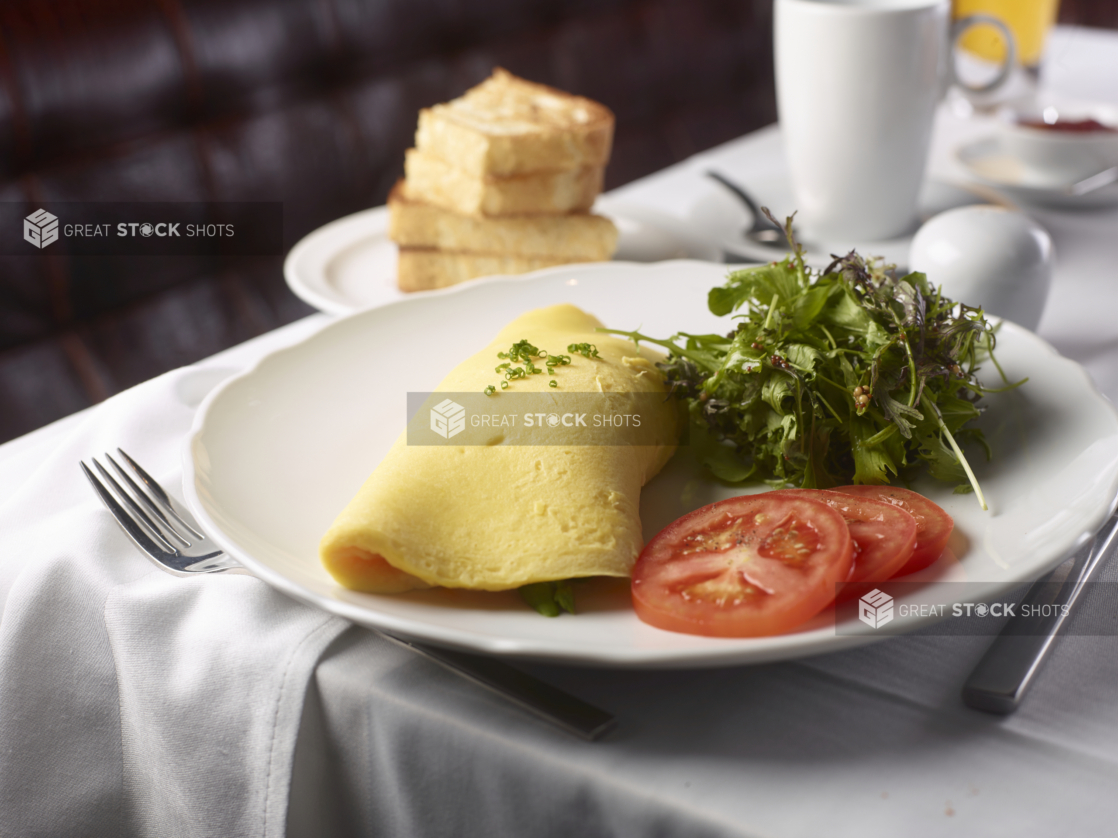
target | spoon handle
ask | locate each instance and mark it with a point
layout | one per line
(1097, 181)
(760, 220)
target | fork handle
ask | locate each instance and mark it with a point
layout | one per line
(526, 691)
(539, 698)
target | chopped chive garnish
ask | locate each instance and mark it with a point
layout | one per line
(525, 352)
(586, 350)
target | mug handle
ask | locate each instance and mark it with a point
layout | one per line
(960, 26)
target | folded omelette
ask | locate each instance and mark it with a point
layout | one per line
(510, 513)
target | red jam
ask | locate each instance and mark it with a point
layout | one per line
(1070, 126)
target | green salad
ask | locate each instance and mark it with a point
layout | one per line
(851, 374)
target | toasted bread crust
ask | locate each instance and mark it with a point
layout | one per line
(436, 181)
(575, 236)
(423, 269)
(509, 126)
(500, 182)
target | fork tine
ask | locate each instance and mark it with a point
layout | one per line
(133, 530)
(157, 492)
(143, 497)
(138, 515)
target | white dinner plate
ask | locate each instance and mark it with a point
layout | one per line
(276, 452)
(723, 216)
(991, 164)
(350, 264)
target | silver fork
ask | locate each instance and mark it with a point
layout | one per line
(170, 537)
(183, 550)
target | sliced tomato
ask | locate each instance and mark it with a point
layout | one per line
(884, 536)
(744, 567)
(933, 525)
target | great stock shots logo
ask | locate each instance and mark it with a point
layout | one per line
(875, 609)
(144, 228)
(448, 419)
(40, 228)
(964, 608)
(540, 418)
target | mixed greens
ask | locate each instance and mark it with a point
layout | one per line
(548, 598)
(852, 374)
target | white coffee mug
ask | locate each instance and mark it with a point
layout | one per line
(857, 85)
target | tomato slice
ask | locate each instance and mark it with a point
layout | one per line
(933, 525)
(884, 537)
(744, 567)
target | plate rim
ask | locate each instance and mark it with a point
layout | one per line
(374, 221)
(781, 647)
(1104, 196)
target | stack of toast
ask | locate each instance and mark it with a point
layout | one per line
(501, 180)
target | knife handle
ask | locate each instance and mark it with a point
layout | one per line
(1007, 670)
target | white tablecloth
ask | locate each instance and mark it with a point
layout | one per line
(134, 703)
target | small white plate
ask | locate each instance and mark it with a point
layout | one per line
(724, 217)
(278, 451)
(350, 264)
(991, 164)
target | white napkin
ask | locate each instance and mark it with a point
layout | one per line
(133, 702)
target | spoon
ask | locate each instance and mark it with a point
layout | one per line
(761, 231)
(1096, 181)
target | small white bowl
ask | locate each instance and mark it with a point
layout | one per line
(1070, 156)
(990, 257)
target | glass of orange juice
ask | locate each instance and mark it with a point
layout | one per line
(1028, 20)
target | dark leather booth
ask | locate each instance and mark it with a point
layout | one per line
(308, 102)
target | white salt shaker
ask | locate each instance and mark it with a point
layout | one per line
(990, 257)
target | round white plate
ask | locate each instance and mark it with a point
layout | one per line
(723, 216)
(350, 264)
(277, 452)
(991, 164)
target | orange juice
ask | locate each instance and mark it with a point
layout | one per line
(1028, 20)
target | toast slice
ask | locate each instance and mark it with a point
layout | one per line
(435, 181)
(508, 126)
(573, 237)
(423, 269)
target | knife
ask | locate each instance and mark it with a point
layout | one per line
(1007, 670)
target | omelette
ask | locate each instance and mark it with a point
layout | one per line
(508, 513)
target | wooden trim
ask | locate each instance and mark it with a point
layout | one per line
(85, 366)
